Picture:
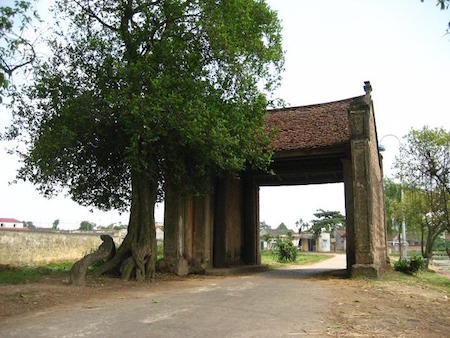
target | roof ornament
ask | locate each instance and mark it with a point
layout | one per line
(367, 87)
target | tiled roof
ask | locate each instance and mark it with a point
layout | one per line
(311, 127)
(9, 220)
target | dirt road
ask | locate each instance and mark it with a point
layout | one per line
(295, 302)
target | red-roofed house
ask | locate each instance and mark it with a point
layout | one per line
(11, 223)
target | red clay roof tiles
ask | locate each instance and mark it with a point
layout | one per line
(310, 127)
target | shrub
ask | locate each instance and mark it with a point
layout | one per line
(410, 266)
(416, 264)
(285, 251)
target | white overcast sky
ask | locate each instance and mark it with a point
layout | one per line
(332, 47)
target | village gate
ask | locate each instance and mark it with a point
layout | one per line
(323, 143)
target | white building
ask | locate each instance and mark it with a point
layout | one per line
(11, 223)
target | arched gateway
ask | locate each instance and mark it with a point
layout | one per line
(323, 143)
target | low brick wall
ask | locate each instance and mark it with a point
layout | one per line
(31, 248)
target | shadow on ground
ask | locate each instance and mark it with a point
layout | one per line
(305, 273)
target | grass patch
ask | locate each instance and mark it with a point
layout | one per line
(268, 257)
(428, 279)
(25, 274)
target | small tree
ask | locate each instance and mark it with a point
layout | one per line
(424, 164)
(29, 225)
(86, 226)
(55, 224)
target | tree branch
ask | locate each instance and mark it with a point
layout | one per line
(93, 15)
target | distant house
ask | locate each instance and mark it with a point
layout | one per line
(11, 223)
(307, 242)
(304, 241)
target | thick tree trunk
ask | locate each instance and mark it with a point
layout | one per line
(136, 257)
(429, 249)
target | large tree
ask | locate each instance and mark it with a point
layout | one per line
(424, 164)
(140, 95)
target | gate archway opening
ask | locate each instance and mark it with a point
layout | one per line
(295, 206)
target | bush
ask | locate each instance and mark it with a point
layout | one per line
(285, 251)
(410, 266)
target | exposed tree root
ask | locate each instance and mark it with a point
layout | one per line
(105, 251)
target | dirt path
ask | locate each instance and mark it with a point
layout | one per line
(299, 301)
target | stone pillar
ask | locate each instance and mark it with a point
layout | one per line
(368, 206)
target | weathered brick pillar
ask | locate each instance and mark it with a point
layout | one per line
(367, 202)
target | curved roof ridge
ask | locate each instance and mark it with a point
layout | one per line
(315, 105)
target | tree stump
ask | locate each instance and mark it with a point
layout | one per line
(105, 251)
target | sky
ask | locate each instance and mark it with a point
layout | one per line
(331, 47)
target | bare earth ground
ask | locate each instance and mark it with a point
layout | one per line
(359, 308)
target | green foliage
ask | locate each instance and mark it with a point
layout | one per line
(440, 244)
(86, 226)
(285, 251)
(29, 225)
(424, 165)
(15, 51)
(263, 226)
(160, 248)
(425, 279)
(410, 266)
(392, 200)
(172, 90)
(55, 224)
(328, 221)
(267, 237)
(112, 226)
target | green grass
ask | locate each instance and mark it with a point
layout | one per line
(428, 279)
(19, 275)
(268, 258)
